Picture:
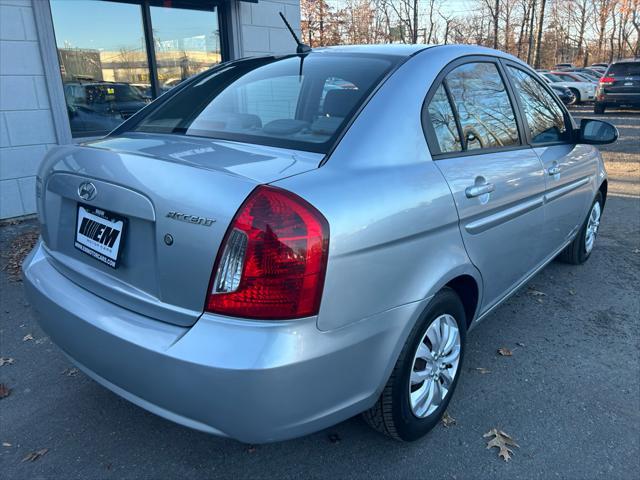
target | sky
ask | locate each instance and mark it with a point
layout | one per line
(111, 26)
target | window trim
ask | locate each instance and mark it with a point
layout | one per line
(568, 119)
(440, 80)
(222, 12)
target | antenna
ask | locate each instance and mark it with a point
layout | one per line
(302, 48)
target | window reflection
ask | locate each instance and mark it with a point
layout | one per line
(544, 116)
(486, 115)
(443, 122)
(186, 42)
(103, 62)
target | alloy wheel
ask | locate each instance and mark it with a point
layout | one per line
(435, 366)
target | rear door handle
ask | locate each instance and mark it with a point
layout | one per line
(555, 170)
(477, 190)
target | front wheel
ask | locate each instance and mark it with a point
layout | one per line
(426, 373)
(579, 250)
(576, 94)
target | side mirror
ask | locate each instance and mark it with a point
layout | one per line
(597, 132)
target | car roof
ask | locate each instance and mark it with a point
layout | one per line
(627, 60)
(395, 49)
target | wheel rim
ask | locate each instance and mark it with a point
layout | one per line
(435, 366)
(592, 227)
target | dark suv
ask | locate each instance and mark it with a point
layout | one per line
(620, 86)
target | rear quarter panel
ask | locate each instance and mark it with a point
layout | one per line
(394, 226)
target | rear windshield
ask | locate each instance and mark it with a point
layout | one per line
(626, 69)
(299, 102)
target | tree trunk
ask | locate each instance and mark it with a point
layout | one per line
(496, 16)
(530, 50)
(543, 4)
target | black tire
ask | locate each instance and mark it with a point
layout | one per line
(392, 414)
(576, 94)
(575, 253)
(598, 109)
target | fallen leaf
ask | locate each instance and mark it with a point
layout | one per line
(18, 250)
(505, 352)
(6, 444)
(4, 391)
(6, 361)
(535, 293)
(70, 372)
(572, 291)
(482, 370)
(334, 438)
(27, 337)
(502, 441)
(448, 420)
(33, 456)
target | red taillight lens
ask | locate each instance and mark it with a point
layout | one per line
(272, 262)
(607, 80)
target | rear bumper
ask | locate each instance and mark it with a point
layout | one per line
(631, 99)
(252, 381)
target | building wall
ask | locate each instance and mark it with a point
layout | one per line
(263, 31)
(26, 124)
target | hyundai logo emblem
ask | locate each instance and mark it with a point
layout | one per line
(87, 191)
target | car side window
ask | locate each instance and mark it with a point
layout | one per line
(544, 116)
(486, 116)
(443, 122)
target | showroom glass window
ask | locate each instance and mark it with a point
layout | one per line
(112, 65)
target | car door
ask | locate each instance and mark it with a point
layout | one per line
(496, 180)
(570, 169)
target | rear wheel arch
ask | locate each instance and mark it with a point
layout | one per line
(467, 288)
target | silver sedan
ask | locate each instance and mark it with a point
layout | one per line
(281, 243)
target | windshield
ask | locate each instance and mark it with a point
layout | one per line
(300, 102)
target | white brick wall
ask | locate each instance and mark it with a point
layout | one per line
(26, 124)
(263, 31)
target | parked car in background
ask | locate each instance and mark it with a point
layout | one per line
(583, 90)
(249, 259)
(559, 66)
(619, 86)
(571, 76)
(95, 107)
(564, 94)
(591, 74)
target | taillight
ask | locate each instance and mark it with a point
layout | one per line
(273, 259)
(607, 80)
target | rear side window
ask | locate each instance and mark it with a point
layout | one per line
(626, 69)
(443, 122)
(299, 102)
(485, 112)
(545, 118)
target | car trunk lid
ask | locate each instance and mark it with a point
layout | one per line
(175, 195)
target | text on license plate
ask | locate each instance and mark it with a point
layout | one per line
(99, 234)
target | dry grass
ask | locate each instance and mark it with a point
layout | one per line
(624, 173)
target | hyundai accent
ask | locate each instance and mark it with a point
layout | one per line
(281, 243)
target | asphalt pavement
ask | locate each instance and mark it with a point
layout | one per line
(569, 394)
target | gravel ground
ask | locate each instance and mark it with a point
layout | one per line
(569, 395)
